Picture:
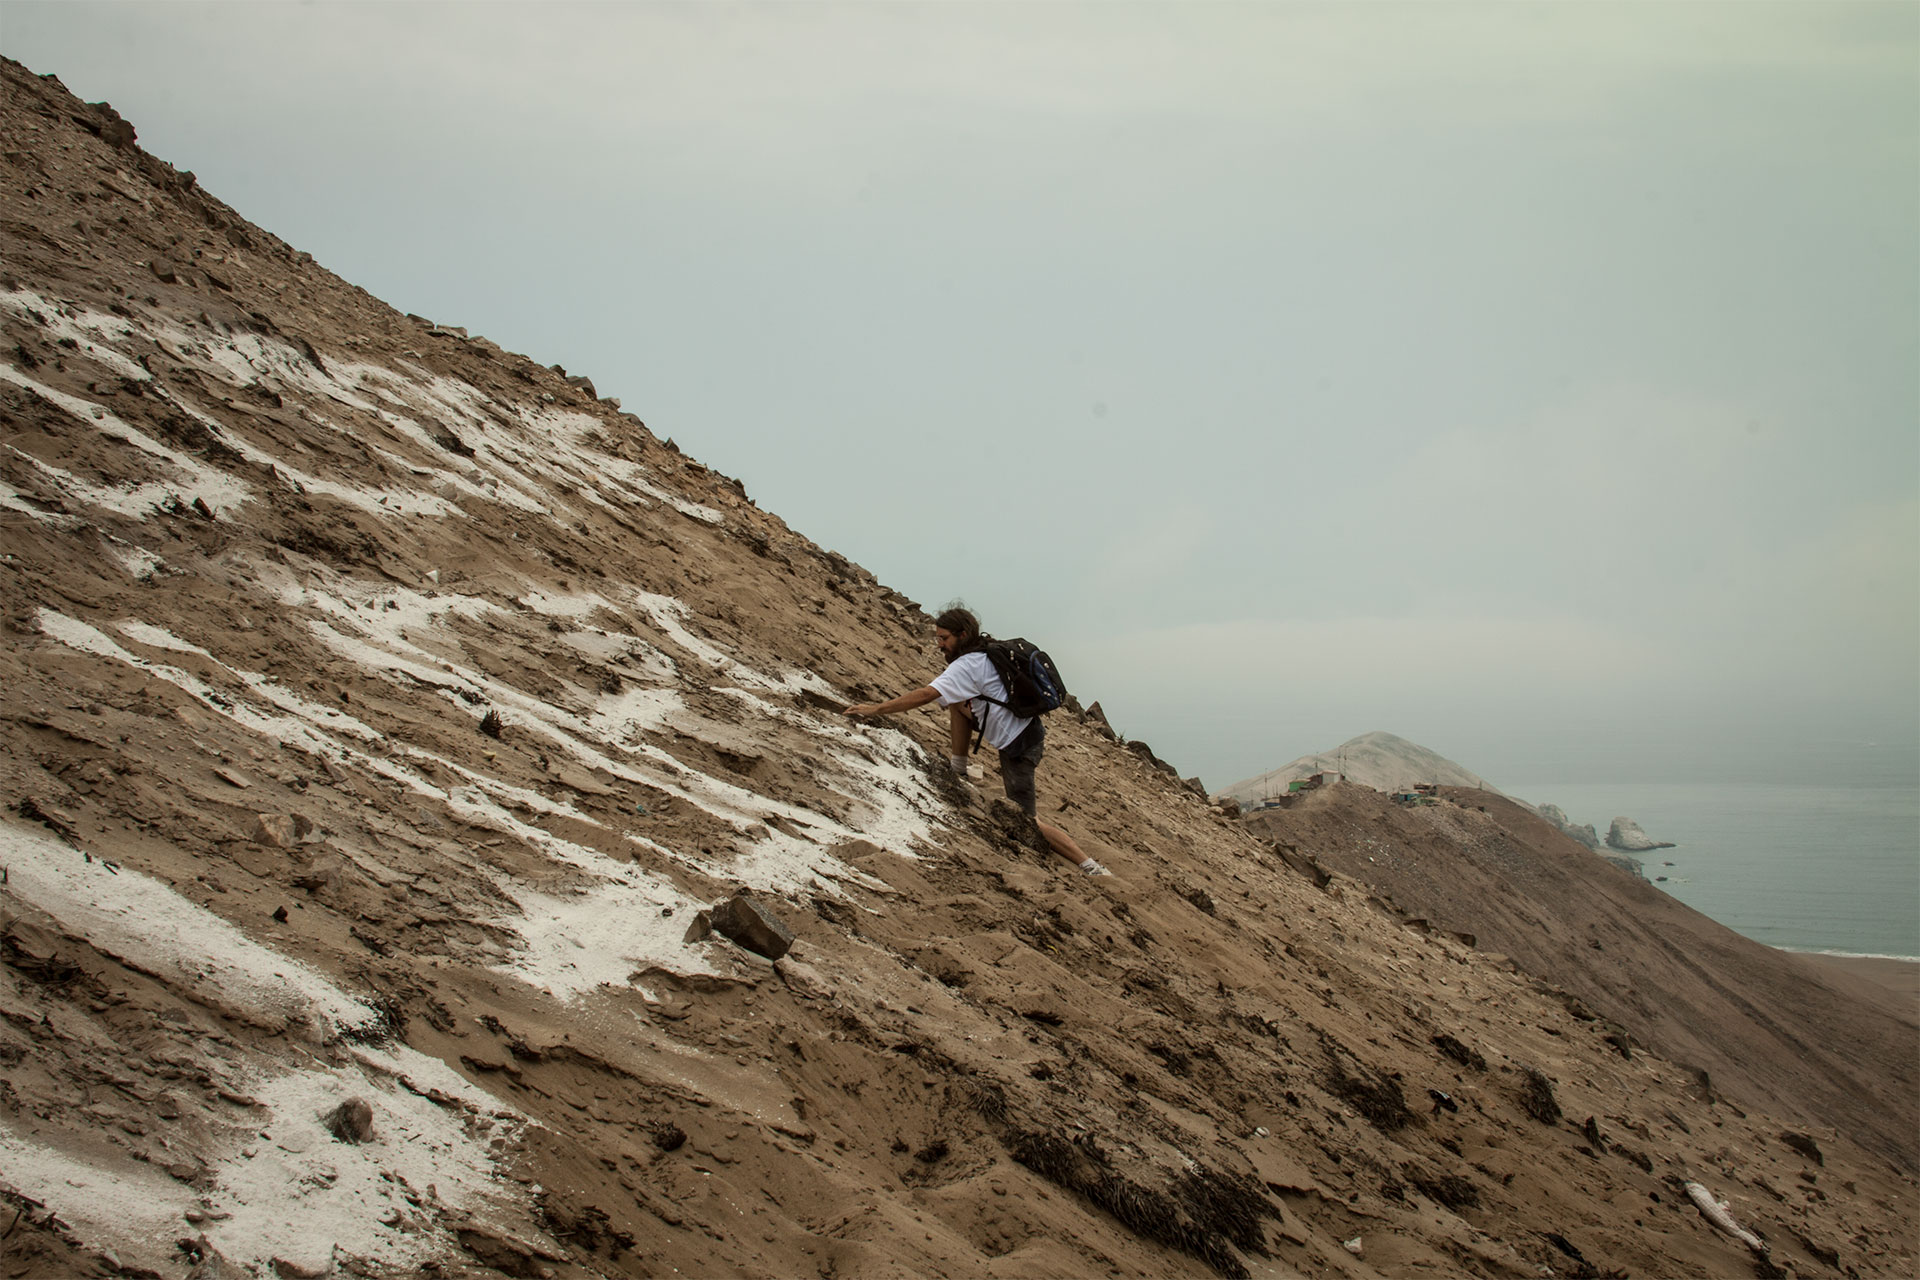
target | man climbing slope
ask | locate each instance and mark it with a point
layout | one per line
(973, 693)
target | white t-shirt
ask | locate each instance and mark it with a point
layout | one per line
(964, 680)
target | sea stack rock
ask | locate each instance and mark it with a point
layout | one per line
(1584, 833)
(1626, 834)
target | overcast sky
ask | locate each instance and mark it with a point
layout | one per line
(1536, 381)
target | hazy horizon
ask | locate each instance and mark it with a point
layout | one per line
(1536, 383)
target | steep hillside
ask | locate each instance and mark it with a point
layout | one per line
(1379, 760)
(380, 712)
(1765, 1027)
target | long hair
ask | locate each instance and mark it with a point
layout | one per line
(959, 620)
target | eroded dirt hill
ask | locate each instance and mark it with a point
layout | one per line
(379, 710)
(1766, 1027)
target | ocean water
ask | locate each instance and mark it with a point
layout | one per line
(1809, 866)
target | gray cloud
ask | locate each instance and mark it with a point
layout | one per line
(1498, 375)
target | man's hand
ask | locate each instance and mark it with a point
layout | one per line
(905, 702)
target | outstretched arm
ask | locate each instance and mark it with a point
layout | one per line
(905, 702)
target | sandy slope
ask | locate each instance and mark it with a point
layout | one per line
(273, 557)
(1813, 1042)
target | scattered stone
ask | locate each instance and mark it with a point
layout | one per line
(1806, 1146)
(307, 1268)
(752, 926)
(509, 1257)
(351, 1121)
(316, 875)
(282, 830)
(1593, 1135)
(700, 928)
(669, 1136)
(233, 778)
(1354, 1247)
(490, 724)
(58, 822)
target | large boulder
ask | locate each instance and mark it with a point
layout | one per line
(751, 925)
(1625, 834)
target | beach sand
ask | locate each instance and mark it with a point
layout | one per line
(1899, 976)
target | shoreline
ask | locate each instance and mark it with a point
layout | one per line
(1898, 975)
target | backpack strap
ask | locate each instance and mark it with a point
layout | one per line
(980, 729)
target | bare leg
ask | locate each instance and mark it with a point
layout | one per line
(1062, 842)
(959, 728)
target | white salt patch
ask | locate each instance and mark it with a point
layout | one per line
(130, 1207)
(248, 358)
(220, 491)
(616, 646)
(159, 638)
(580, 605)
(78, 635)
(684, 506)
(89, 330)
(137, 501)
(669, 616)
(623, 717)
(372, 500)
(878, 770)
(146, 925)
(418, 1073)
(139, 562)
(603, 935)
(597, 935)
(551, 925)
(12, 499)
(297, 1193)
(894, 788)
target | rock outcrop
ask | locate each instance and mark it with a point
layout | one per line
(1584, 832)
(1625, 834)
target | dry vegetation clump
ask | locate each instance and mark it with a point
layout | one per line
(1536, 1097)
(1376, 1097)
(1206, 1216)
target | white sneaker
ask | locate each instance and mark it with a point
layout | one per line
(1095, 870)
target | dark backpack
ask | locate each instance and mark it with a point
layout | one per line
(1034, 686)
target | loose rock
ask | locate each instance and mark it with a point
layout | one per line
(752, 926)
(351, 1121)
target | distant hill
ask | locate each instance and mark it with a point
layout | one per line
(1379, 760)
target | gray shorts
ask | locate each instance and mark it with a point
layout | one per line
(1018, 760)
